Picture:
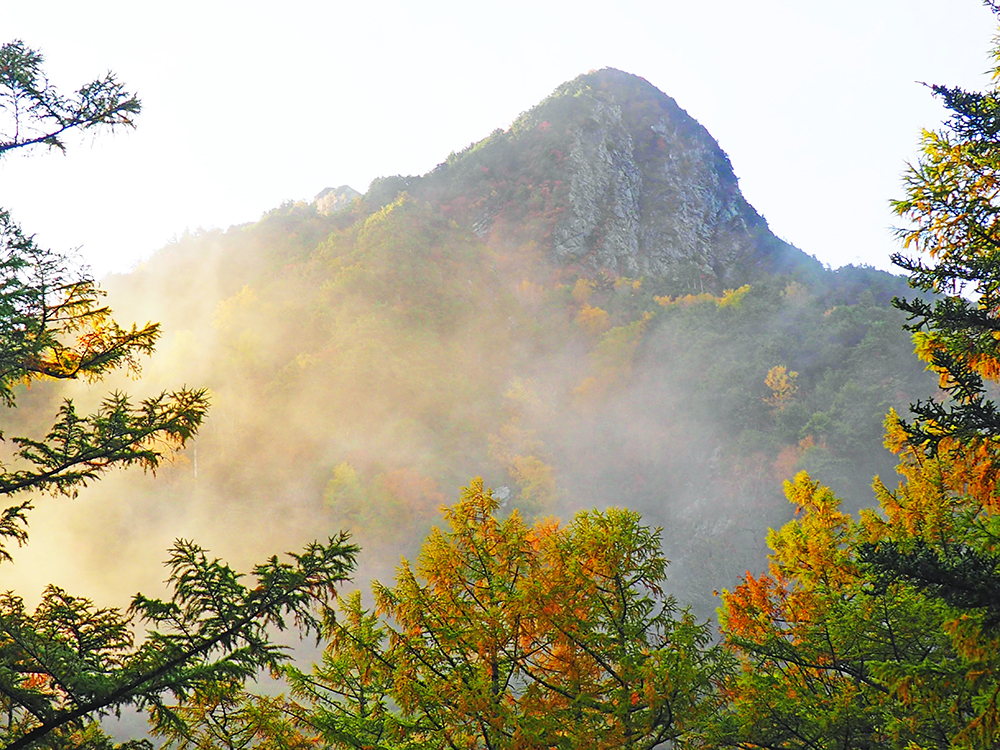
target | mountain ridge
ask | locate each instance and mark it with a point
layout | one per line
(611, 175)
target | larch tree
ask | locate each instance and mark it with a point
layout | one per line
(506, 635)
(833, 657)
(952, 206)
(884, 631)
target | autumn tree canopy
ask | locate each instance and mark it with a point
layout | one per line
(883, 632)
(505, 635)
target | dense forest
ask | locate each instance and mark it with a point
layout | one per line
(400, 356)
(574, 380)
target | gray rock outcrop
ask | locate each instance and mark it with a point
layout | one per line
(331, 200)
(603, 219)
(609, 175)
(670, 208)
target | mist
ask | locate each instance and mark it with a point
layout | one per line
(352, 390)
(582, 309)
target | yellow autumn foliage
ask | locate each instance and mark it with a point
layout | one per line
(582, 291)
(593, 320)
(729, 298)
(781, 381)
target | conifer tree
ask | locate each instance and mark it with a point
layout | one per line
(883, 632)
(68, 662)
(835, 656)
(953, 212)
(506, 635)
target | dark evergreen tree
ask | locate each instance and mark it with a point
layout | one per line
(68, 663)
(33, 112)
(954, 227)
(953, 212)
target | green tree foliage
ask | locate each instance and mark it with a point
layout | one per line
(52, 322)
(223, 716)
(506, 635)
(68, 662)
(955, 228)
(835, 657)
(33, 112)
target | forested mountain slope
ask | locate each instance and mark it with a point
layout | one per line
(582, 309)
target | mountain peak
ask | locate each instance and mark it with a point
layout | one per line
(330, 200)
(611, 175)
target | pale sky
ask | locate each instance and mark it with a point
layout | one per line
(248, 104)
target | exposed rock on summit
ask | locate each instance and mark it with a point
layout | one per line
(331, 200)
(605, 194)
(610, 174)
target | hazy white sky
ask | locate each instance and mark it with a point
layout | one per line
(247, 104)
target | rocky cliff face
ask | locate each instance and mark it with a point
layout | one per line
(331, 200)
(602, 223)
(609, 174)
(651, 192)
